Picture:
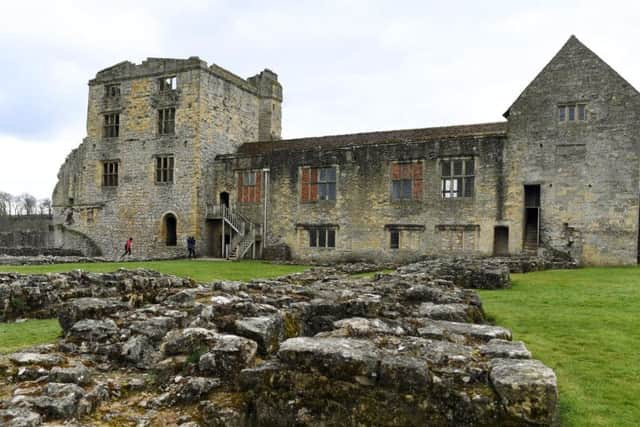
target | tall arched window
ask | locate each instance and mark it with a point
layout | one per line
(170, 226)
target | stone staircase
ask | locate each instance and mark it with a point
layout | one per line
(530, 246)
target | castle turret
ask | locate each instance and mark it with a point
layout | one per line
(270, 111)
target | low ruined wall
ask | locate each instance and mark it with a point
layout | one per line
(277, 252)
(42, 296)
(310, 349)
(33, 231)
(48, 259)
(35, 252)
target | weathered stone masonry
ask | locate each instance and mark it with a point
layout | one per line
(559, 176)
(215, 111)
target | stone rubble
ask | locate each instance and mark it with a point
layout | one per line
(406, 348)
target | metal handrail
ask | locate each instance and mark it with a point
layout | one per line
(246, 230)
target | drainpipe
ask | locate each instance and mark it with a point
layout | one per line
(265, 180)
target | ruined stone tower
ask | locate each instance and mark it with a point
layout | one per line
(153, 129)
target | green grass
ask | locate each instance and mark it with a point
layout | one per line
(585, 325)
(16, 336)
(201, 271)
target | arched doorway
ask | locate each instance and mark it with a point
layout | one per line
(170, 227)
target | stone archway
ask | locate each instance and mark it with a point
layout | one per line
(170, 229)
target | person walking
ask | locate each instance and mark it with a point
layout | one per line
(127, 248)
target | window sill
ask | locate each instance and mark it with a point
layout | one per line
(406, 201)
(458, 198)
(164, 183)
(321, 202)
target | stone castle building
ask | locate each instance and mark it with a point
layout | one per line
(177, 148)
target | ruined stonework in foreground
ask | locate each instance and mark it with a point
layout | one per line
(318, 348)
(178, 148)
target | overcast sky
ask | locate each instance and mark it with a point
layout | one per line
(345, 66)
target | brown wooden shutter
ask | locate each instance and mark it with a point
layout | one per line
(239, 186)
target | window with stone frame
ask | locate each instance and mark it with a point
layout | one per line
(111, 127)
(167, 84)
(110, 173)
(458, 177)
(322, 237)
(166, 121)
(318, 184)
(249, 186)
(574, 112)
(406, 181)
(394, 239)
(164, 169)
(112, 90)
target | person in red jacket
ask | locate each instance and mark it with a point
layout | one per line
(127, 248)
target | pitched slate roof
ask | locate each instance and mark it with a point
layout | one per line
(384, 137)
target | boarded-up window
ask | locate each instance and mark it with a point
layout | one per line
(406, 181)
(249, 186)
(110, 174)
(457, 238)
(318, 184)
(458, 178)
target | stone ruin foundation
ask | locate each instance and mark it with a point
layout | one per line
(319, 348)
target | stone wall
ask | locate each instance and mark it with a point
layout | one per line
(363, 212)
(587, 170)
(26, 231)
(215, 112)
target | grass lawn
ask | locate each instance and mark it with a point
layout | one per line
(202, 271)
(584, 324)
(14, 336)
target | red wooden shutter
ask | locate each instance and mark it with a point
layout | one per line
(256, 194)
(417, 181)
(395, 171)
(304, 187)
(313, 193)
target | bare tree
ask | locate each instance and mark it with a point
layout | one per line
(17, 205)
(45, 206)
(28, 203)
(6, 201)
